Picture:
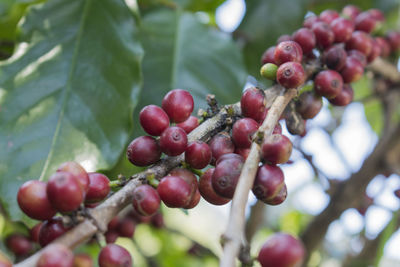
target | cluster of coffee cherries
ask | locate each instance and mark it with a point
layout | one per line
(344, 43)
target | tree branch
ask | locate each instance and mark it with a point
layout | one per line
(385, 69)
(234, 237)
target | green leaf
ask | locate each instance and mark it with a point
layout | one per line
(374, 113)
(69, 93)
(362, 88)
(208, 6)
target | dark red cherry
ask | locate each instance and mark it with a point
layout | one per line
(178, 104)
(276, 149)
(310, 21)
(329, 15)
(153, 119)
(279, 198)
(56, 255)
(173, 141)
(174, 191)
(268, 182)
(365, 22)
(189, 125)
(290, 75)
(243, 131)
(323, 34)
(19, 244)
(99, 187)
(220, 144)
(50, 230)
(288, 51)
(143, 151)
(328, 83)
(360, 41)
(198, 154)
(344, 98)
(283, 38)
(253, 103)
(309, 105)
(208, 192)
(342, 28)
(226, 176)
(268, 56)
(126, 227)
(78, 171)
(351, 12)
(352, 71)
(306, 39)
(114, 256)
(335, 57)
(146, 200)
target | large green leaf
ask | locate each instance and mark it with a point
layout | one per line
(208, 6)
(70, 93)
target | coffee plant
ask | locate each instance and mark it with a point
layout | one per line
(119, 116)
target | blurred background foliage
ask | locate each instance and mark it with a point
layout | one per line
(75, 74)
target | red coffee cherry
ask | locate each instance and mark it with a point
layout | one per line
(329, 15)
(99, 187)
(146, 200)
(335, 57)
(143, 151)
(253, 103)
(157, 220)
(243, 152)
(328, 83)
(310, 21)
(376, 14)
(394, 40)
(198, 155)
(283, 38)
(78, 171)
(194, 200)
(323, 34)
(229, 156)
(268, 182)
(111, 236)
(220, 144)
(385, 46)
(178, 104)
(33, 201)
(189, 178)
(189, 125)
(226, 175)
(174, 191)
(279, 198)
(290, 75)
(352, 71)
(360, 41)
(126, 227)
(365, 22)
(173, 141)
(344, 98)
(351, 12)
(50, 230)
(276, 149)
(288, 51)
(208, 192)
(342, 28)
(358, 55)
(375, 52)
(34, 232)
(281, 250)
(268, 56)
(56, 255)
(64, 192)
(114, 256)
(243, 131)
(309, 105)
(19, 244)
(153, 119)
(83, 260)
(306, 39)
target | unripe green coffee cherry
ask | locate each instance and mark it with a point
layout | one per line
(269, 71)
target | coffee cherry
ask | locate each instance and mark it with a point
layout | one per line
(64, 192)
(268, 182)
(194, 200)
(276, 149)
(365, 22)
(328, 16)
(357, 55)
(78, 171)
(114, 256)
(306, 39)
(189, 125)
(352, 71)
(50, 230)
(157, 220)
(220, 144)
(281, 250)
(173, 141)
(310, 21)
(323, 34)
(33, 201)
(360, 41)
(288, 51)
(243, 152)
(189, 178)
(309, 105)
(146, 200)
(375, 51)
(344, 98)
(328, 83)
(19, 244)
(143, 151)
(198, 155)
(268, 71)
(290, 75)
(394, 40)
(83, 260)
(34, 232)
(126, 227)
(397, 193)
(342, 28)
(226, 175)
(174, 191)
(111, 236)
(153, 119)
(376, 14)
(385, 46)
(283, 38)
(335, 57)
(99, 187)
(229, 156)
(56, 255)
(268, 56)
(351, 12)
(279, 198)
(207, 191)
(252, 103)
(242, 132)
(178, 104)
